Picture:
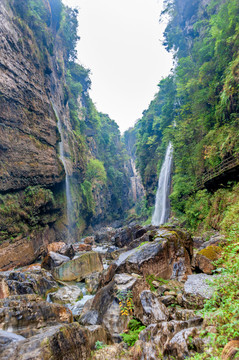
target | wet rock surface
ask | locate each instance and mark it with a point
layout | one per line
(28, 314)
(164, 294)
(26, 282)
(69, 342)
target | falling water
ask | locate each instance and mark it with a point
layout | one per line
(67, 182)
(162, 205)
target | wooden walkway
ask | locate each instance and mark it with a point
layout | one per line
(228, 165)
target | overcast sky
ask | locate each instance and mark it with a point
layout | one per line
(121, 43)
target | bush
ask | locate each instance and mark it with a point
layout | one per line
(135, 327)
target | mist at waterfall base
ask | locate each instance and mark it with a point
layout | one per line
(162, 204)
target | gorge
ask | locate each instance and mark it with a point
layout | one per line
(86, 271)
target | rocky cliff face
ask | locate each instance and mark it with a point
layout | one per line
(40, 86)
(28, 130)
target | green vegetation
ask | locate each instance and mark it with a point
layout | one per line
(200, 97)
(99, 345)
(125, 302)
(135, 327)
(221, 310)
(25, 211)
(151, 277)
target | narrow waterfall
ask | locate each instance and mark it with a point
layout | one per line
(162, 204)
(67, 180)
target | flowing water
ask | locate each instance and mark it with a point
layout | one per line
(162, 204)
(67, 180)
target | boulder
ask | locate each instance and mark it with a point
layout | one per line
(157, 337)
(231, 350)
(109, 352)
(104, 235)
(153, 257)
(67, 250)
(216, 239)
(204, 259)
(197, 290)
(26, 282)
(67, 295)
(98, 333)
(7, 338)
(84, 247)
(52, 260)
(152, 310)
(104, 308)
(89, 240)
(184, 344)
(92, 282)
(68, 342)
(79, 268)
(28, 314)
(55, 246)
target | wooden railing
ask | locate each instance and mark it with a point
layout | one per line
(223, 167)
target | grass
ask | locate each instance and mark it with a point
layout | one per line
(222, 310)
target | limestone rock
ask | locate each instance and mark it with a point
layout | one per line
(79, 268)
(152, 310)
(7, 337)
(68, 342)
(67, 250)
(53, 259)
(25, 251)
(27, 314)
(55, 246)
(152, 258)
(84, 247)
(161, 335)
(196, 290)
(204, 259)
(104, 308)
(67, 295)
(89, 240)
(109, 352)
(181, 344)
(92, 282)
(26, 282)
(98, 333)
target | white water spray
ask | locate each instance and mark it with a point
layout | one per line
(67, 181)
(162, 204)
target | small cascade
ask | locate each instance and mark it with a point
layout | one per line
(67, 180)
(162, 204)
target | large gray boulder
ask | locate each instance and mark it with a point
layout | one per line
(104, 307)
(79, 268)
(168, 256)
(61, 342)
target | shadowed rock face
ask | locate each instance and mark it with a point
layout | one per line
(28, 130)
(69, 342)
(168, 256)
(27, 315)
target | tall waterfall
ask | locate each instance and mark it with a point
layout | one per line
(67, 181)
(162, 204)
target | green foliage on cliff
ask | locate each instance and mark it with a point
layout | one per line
(25, 211)
(200, 97)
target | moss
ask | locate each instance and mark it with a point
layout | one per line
(211, 252)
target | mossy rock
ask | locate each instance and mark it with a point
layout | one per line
(211, 252)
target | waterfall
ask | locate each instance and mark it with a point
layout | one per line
(67, 180)
(162, 204)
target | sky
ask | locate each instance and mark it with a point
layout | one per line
(121, 43)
